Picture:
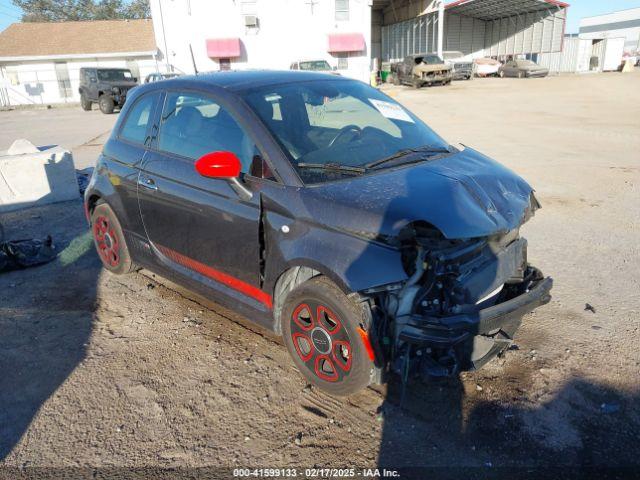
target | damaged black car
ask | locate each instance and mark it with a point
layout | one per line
(325, 211)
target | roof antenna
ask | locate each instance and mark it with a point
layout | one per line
(195, 69)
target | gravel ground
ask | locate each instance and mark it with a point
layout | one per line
(104, 371)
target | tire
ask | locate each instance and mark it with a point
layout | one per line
(520, 75)
(109, 240)
(396, 80)
(85, 103)
(321, 329)
(106, 104)
(416, 83)
(501, 74)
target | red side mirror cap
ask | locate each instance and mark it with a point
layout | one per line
(219, 165)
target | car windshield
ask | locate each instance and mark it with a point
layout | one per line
(331, 129)
(315, 65)
(114, 75)
(429, 59)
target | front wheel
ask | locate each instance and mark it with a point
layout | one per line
(106, 104)
(501, 74)
(322, 330)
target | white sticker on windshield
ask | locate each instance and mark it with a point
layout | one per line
(391, 110)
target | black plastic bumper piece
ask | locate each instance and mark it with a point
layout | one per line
(480, 335)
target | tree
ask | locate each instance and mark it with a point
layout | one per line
(69, 10)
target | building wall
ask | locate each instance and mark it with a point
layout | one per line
(36, 82)
(288, 30)
(625, 23)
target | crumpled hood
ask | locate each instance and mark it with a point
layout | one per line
(464, 195)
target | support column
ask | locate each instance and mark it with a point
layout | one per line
(440, 27)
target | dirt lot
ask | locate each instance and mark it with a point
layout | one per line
(98, 370)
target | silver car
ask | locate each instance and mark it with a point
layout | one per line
(522, 69)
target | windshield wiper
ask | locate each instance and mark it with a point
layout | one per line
(333, 166)
(408, 151)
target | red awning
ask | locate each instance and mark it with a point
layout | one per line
(223, 47)
(346, 42)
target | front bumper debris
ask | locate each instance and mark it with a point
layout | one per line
(468, 340)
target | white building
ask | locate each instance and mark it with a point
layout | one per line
(623, 24)
(352, 35)
(40, 62)
(269, 34)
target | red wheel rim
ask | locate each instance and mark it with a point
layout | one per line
(321, 341)
(106, 241)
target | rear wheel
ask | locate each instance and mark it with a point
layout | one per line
(85, 103)
(106, 104)
(321, 329)
(109, 240)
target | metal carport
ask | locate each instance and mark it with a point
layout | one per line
(500, 28)
(478, 28)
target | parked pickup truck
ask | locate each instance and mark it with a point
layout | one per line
(462, 68)
(106, 86)
(420, 70)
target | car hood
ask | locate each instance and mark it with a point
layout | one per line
(464, 195)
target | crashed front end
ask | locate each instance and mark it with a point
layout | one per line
(462, 303)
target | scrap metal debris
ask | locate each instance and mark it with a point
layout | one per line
(589, 308)
(17, 254)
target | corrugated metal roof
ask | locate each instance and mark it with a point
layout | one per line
(493, 9)
(76, 38)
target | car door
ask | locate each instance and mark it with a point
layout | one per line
(512, 69)
(125, 154)
(194, 222)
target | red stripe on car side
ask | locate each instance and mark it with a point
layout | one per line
(218, 276)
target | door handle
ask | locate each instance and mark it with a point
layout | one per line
(147, 183)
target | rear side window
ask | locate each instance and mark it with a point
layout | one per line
(193, 125)
(135, 125)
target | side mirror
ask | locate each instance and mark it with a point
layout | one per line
(219, 165)
(225, 165)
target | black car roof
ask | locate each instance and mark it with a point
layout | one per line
(236, 81)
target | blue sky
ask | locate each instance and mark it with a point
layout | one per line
(578, 9)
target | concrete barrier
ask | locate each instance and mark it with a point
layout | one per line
(31, 175)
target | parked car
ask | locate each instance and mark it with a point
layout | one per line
(312, 66)
(487, 67)
(325, 211)
(461, 68)
(420, 70)
(106, 86)
(522, 69)
(156, 77)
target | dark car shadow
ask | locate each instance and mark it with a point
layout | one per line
(46, 315)
(585, 429)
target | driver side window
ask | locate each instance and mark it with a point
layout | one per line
(193, 125)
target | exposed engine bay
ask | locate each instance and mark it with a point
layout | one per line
(461, 305)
